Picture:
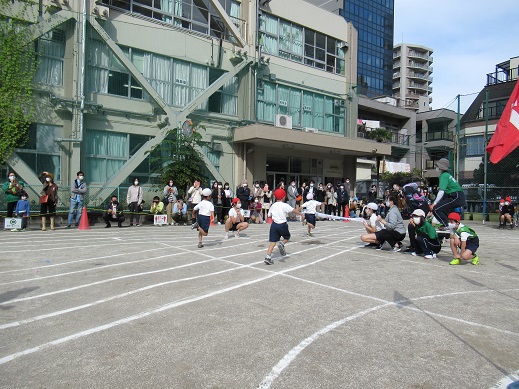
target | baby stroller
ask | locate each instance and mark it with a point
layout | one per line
(413, 200)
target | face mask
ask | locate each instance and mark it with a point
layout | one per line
(293, 184)
(387, 204)
(257, 185)
(311, 184)
(238, 205)
(81, 178)
(507, 203)
(416, 220)
(135, 182)
(437, 169)
(320, 187)
(348, 181)
(47, 179)
(245, 185)
(24, 198)
(114, 202)
(452, 226)
(256, 201)
(395, 187)
(342, 186)
(226, 186)
(219, 186)
(171, 183)
(11, 178)
(501, 204)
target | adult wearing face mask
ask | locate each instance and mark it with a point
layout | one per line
(343, 199)
(311, 188)
(506, 213)
(134, 201)
(227, 200)
(235, 222)
(257, 190)
(394, 229)
(347, 186)
(77, 195)
(292, 193)
(170, 193)
(217, 196)
(450, 194)
(320, 195)
(243, 193)
(372, 194)
(266, 201)
(13, 189)
(194, 197)
(48, 200)
(422, 236)
(114, 213)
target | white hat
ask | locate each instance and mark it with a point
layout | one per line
(309, 196)
(206, 192)
(372, 206)
(418, 212)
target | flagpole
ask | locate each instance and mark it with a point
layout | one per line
(485, 159)
(457, 140)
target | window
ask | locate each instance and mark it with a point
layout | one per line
(106, 152)
(495, 109)
(41, 152)
(51, 51)
(475, 145)
(307, 109)
(212, 155)
(225, 100)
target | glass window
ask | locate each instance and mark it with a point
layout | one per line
(475, 145)
(106, 152)
(51, 51)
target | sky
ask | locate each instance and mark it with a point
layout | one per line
(468, 37)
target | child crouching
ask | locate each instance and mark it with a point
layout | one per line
(464, 241)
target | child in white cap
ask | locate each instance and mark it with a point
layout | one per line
(309, 208)
(372, 225)
(205, 210)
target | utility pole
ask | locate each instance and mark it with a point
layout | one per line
(457, 143)
(485, 160)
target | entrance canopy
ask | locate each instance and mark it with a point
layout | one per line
(276, 137)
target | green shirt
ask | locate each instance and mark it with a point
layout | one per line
(427, 229)
(449, 184)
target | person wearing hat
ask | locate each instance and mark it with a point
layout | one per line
(506, 213)
(450, 194)
(279, 227)
(309, 208)
(423, 236)
(205, 214)
(235, 222)
(372, 225)
(48, 200)
(463, 241)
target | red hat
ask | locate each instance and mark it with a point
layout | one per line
(502, 200)
(235, 200)
(509, 199)
(280, 194)
(454, 216)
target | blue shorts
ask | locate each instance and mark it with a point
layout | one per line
(310, 218)
(277, 231)
(472, 245)
(204, 222)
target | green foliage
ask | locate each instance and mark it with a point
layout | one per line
(380, 135)
(502, 174)
(401, 178)
(176, 158)
(17, 69)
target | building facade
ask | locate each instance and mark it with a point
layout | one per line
(374, 20)
(412, 76)
(269, 82)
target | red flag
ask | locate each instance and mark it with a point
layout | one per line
(506, 135)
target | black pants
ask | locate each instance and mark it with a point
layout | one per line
(108, 219)
(426, 245)
(448, 204)
(10, 208)
(134, 209)
(389, 236)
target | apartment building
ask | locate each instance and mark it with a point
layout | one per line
(270, 82)
(412, 76)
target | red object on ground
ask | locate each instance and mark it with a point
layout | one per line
(346, 213)
(83, 222)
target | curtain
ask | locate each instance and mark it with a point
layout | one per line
(308, 103)
(269, 25)
(181, 88)
(229, 102)
(295, 107)
(50, 69)
(99, 58)
(319, 112)
(161, 77)
(283, 97)
(166, 7)
(267, 102)
(297, 43)
(106, 153)
(199, 82)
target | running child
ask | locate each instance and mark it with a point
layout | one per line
(310, 206)
(464, 241)
(279, 227)
(235, 222)
(205, 210)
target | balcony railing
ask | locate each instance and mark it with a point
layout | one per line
(400, 139)
(439, 135)
(500, 76)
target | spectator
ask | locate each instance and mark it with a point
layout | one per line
(180, 212)
(77, 196)
(229, 195)
(255, 211)
(217, 195)
(194, 197)
(114, 213)
(134, 201)
(331, 200)
(48, 200)
(170, 193)
(343, 199)
(372, 194)
(506, 213)
(22, 210)
(266, 201)
(157, 208)
(13, 190)
(243, 193)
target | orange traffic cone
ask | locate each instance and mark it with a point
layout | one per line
(83, 223)
(346, 213)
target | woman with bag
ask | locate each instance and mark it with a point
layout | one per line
(13, 190)
(170, 197)
(134, 200)
(48, 199)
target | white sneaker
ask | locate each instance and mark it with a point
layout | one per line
(219, 223)
(430, 256)
(237, 234)
(226, 236)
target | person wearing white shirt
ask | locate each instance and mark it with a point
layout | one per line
(372, 225)
(279, 227)
(309, 208)
(205, 209)
(235, 222)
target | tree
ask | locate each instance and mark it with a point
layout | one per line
(176, 158)
(17, 70)
(380, 135)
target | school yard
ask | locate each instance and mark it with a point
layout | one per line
(145, 308)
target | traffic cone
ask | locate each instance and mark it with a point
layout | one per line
(83, 222)
(346, 213)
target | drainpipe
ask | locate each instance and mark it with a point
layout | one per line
(244, 161)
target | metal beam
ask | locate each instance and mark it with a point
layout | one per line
(26, 174)
(174, 116)
(228, 23)
(43, 27)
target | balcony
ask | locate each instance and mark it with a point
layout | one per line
(420, 76)
(400, 139)
(501, 75)
(396, 65)
(439, 135)
(417, 65)
(414, 85)
(416, 54)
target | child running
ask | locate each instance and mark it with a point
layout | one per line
(464, 241)
(310, 205)
(205, 210)
(279, 227)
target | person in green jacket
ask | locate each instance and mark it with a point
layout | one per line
(13, 190)
(426, 239)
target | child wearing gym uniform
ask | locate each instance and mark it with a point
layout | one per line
(205, 210)
(310, 206)
(464, 241)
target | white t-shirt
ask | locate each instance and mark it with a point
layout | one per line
(278, 211)
(310, 206)
(374, 222)
(204, 208)
(234, 213)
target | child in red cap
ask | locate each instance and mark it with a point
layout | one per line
(279, 227)
(506, 213)
(235, 222)
(464, 241)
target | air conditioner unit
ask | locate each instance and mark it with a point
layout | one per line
(283, 121)
(310, 129)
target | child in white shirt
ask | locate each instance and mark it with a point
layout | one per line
(205, 210)
(309, 208)
(235, 222)
(279, 227)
